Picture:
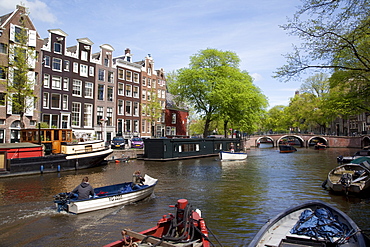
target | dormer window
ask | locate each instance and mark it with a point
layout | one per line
(57, 47)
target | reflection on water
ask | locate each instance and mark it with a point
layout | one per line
(236, 198)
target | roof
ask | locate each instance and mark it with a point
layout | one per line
(18, 145)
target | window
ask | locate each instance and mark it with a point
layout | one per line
(3, 48)
(100, 92)
(46, 80)
(120, 89)
(2, 73)
(136, 92)
(66, 65)
(110, 93)
(75, 67)
(143, 110)
(56, 82)
(57, 47)
(128, 108)
(128, 125)
(148, 96)
(101, 74)
(173, 121)
(91, 71)
(143, 128)
(154, 84)
(121, 73)
(55, 101)
(76, 113)
(106, 62)
(84, 55)
(109, 116)
(143, 96)
(149, 82)
(65, 102)
(120, 107)
(128, 90)
(128, 75)
(47, 61)
(99, 114)
(83, 70)
(136, 109)
(136, 77)
(45, 100)
(88, 115)
(136, 125)
(57, 64)
(65, 83)
(144, 81)
(88, 89)
(77, 88)
(110, 77)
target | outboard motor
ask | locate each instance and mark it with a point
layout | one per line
(340, 159)
(62, 200)
(346, 179)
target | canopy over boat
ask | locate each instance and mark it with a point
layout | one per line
(314, 223)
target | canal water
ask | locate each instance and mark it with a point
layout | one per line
(236, 198)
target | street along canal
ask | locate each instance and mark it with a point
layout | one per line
(236, 198)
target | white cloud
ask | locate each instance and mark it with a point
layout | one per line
(256, 77)
(38, 9)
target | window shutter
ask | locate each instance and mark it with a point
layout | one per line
(32, 38)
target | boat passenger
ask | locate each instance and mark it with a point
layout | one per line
(232, 147)
(84, 190)
(137, 180)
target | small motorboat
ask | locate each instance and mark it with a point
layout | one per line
(352, 177)
(105, 197)
(286, 148)
(225, 155)
(320, 146)
(365, 152)
(185, 228)
(314, 223)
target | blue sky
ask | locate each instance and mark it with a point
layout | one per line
(172, 31)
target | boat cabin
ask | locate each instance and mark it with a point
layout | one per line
(50, 138)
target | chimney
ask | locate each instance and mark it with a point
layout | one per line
(127, 51)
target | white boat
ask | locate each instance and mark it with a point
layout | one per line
(303, 225)
(105, 197)
(352, 177)
(224, 155)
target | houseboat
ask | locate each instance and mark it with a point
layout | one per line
(165, 149)
(50, 150)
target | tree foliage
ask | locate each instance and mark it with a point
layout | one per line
(216, 88)
(334, 36)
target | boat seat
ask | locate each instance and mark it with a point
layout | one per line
(298, 242)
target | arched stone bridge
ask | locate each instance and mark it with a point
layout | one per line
(306, 140)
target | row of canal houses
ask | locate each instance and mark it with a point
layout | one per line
(95, 94)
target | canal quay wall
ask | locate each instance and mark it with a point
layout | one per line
(123, 153)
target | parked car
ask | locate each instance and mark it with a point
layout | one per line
(137, 142)
(118, 142)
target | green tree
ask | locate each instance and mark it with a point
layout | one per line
(20, 80)
(210, 85)
(334, 36)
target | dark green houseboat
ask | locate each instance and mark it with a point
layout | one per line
(186, 148)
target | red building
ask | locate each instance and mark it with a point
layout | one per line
(176, 119)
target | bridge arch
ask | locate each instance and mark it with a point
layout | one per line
(300, 139)
(258, 140)
(365, 141)
(319, 138)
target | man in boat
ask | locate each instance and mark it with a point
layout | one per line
(84, 190)
(137, 180)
